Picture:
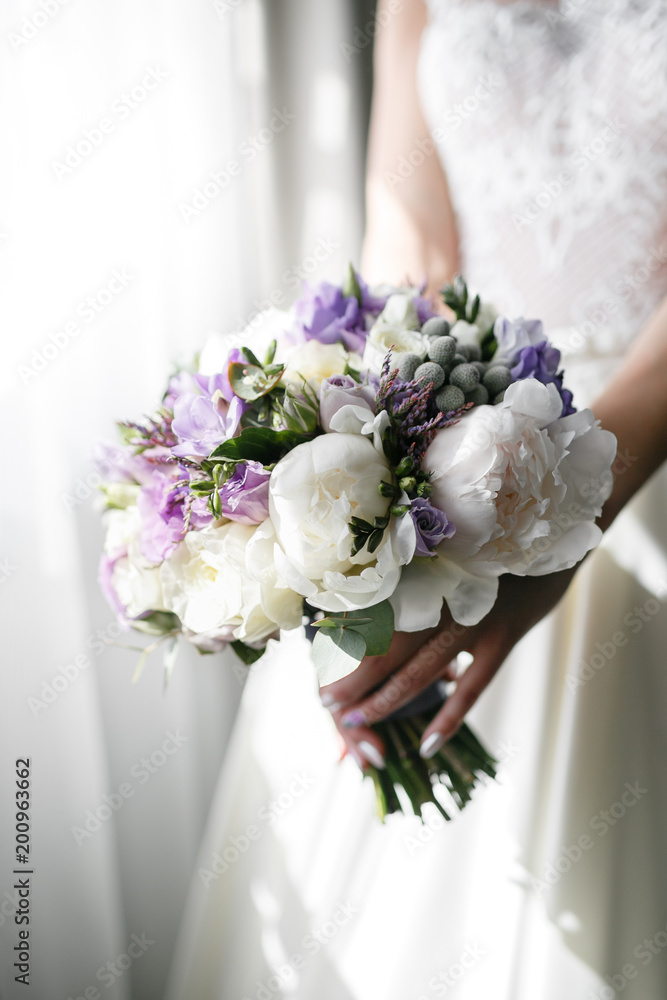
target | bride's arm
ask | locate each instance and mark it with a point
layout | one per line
(634, 408)
(410, 229)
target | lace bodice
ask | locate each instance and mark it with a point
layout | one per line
(551, 123)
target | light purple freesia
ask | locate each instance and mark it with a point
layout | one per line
(119, 463)
(245, 495)
(338, 391)
(323, 313)
(513, 335)
(206, 416)
(431, 524)
(162, 508)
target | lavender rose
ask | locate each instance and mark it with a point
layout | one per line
(340, 391)
(431, 525)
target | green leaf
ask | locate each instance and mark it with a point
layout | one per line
(337, 652)
(245, 653)
(158, 623)
(259, 444)
(271, 352)
(250, 382)
(375, 539)
(251, 357)
(351, 287)
(378, 633)
(202, 487)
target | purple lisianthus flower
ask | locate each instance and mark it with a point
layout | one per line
(206, 416)
(245, 495)
(338, 391)
(431, 525)
(541, 362)
(323, 313)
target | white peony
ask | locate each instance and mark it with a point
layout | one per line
(523, 489)
(222, 581)
(397, 328)
(314, 491)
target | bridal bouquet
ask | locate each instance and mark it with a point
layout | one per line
(353, 463)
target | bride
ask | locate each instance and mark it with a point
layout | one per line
(524, 145)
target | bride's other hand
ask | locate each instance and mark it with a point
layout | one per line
(383, 684)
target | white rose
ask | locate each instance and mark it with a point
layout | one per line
(222, 581)
(314, 362)
(522, 488)
(314, 491)
(395, 329)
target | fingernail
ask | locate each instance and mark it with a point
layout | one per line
(357, 758)
(333, 706)
(353, 718)
(431, 745)
(372, 754)
(328, 699)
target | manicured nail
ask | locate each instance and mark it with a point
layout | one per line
(431, 745)
(328, 699)
(353, 718)
(372, 754)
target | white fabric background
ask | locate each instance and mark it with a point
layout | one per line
(226, 67)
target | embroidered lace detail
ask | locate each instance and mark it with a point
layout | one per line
(551, 123)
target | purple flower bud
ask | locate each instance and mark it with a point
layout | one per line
(431, 524)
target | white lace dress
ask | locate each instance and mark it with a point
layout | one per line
(550, 122)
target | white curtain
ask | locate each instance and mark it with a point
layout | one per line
(168, 167)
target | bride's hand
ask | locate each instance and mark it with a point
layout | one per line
(417, 659)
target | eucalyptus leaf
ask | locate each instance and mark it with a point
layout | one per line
(337, 652)
(378, 633)
(250, 382)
